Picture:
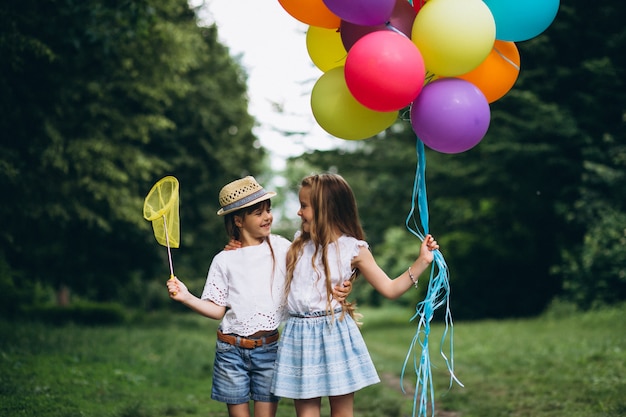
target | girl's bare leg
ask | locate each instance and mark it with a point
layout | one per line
(342, 405)
(308, 408)
(265, 409)
(239, 410)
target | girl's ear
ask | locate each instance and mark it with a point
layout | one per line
(238, 221)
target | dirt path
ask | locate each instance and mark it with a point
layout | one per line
(392, 381)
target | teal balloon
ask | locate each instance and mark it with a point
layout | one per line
(518, 21)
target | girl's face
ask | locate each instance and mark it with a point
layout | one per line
(306, 211)
(255, 226)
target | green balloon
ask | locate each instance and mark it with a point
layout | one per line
(340, 114)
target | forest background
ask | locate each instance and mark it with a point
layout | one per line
(99, 100)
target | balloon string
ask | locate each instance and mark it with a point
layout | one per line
(169, 251)
(438, 294)
(429, 77)
(506, 58)
(395, 29)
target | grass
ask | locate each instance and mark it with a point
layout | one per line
(570, 365)
(573, 365)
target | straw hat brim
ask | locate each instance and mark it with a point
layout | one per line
(266, 196)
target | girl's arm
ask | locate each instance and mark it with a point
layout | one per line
(394, 288)
(179, 292)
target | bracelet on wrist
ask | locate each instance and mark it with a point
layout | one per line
(413, 279)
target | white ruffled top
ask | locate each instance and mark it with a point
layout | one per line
(308, 288)
(250, 285)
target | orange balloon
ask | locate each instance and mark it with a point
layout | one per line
(497, 74)
(311, 12)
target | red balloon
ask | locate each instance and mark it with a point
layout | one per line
(418, 4)
(402, 18)
(384, 71)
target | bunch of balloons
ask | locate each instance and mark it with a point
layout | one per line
(446, 59)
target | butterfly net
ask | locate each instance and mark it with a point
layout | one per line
(161, 208)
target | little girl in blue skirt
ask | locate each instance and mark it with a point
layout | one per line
(321, 351)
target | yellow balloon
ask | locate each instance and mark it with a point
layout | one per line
(338, 112)
(454, 36)
(325, 48)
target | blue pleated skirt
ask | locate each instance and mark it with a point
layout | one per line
(319, 357)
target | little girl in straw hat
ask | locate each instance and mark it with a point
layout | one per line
(321, 351)
(245, 289)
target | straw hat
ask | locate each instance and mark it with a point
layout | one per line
(241, 193)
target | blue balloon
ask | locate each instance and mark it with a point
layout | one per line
(518, 21)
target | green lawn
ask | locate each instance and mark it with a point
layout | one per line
(568, 366)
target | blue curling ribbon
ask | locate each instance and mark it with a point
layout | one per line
(438, 295)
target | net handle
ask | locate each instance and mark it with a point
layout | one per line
(169, 251)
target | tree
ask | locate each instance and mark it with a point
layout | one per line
(592, 76)
(99, 101)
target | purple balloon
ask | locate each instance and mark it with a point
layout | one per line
(362, 12)
(401, 20)
(450, 115)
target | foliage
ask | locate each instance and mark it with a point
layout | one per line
(595, 269)
(162, 366)
(587, 77)
(13, 294)
(86, 313)
(99, 101)
(536, 209)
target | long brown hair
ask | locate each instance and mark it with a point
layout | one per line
(334, 210)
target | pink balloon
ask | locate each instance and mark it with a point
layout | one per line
(362, 12)
(384, 71)
(450, 115)
(402, 18)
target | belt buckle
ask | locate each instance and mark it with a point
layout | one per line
(246, 343)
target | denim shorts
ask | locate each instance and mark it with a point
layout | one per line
(241, 375)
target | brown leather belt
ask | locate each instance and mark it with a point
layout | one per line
(245, 342)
